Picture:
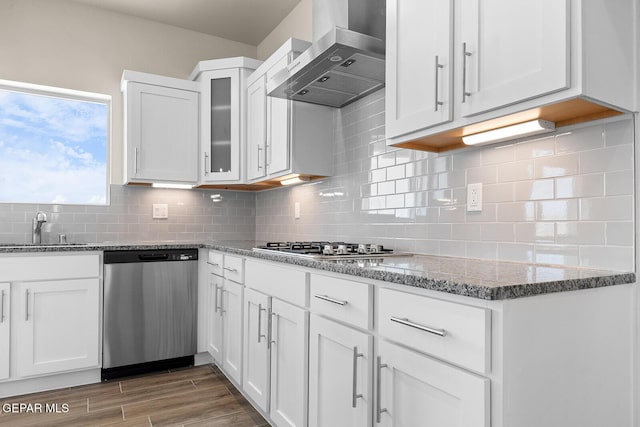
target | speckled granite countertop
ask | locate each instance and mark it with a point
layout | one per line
(489, 280)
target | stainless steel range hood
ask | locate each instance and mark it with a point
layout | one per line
(345, 61)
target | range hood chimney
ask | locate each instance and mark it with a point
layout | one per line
(345, 61)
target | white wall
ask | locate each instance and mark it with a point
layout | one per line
(64, 44)
(298, 24)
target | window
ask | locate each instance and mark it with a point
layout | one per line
(53, 145)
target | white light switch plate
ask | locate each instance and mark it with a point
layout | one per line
(160, 211)
(296, 210)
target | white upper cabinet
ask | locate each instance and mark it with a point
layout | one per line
(503, 62)
(223, 113)
(285, 138)
(161, 129)
(419, 64)
(512, 51)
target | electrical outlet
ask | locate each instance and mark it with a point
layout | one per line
(296, 210)
(474, 197)
(160, 211)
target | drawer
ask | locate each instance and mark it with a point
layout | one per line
(48, 267)
(214, 260)
(234, 268)
(287, 284)
(457, 333)
(341, 299)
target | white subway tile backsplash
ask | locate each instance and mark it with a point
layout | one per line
(616, 158)
(581, 139)
(516, 212)
(557, 199)
(580, 186)
(534, 190)
(619, 183)
(515, 171)
(536, 148)
(559, 165)
(581, 233)
(620, 233)
(557, 210)
(617, 208)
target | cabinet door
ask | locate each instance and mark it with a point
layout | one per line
(214, 333)
(339, 375)
(278, 126)
(232, 330)
(5, 316)
(415, 390)
(221, 125)
(256, 129)
(513, 51)
(255, 378)
(289, 328)
(162, 133)
(56, 325)
(418, 64)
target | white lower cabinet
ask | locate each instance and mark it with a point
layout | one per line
(415, 390)
(339, 375)
(55, 326)
(5, 316)
(214, 332)
(231, 310)
(255, 381)
(289, 338)
(49, 316)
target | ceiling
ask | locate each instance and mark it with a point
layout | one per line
(246, 21)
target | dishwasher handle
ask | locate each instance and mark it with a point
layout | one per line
(153, 257)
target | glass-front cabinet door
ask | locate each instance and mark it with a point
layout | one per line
(220, 137)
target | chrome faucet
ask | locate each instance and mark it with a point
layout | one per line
(36, 235)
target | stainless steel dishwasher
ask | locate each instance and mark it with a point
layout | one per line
(149, 310)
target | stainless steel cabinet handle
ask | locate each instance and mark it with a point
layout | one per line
(206, 167)
(465, 54)
(135, 161)
(354, 391)
(438, 68)
(215, 264)
(222, 310)
(333, 300)
(379, 408)
(407, 322)
(26, 305)
(233, 270)
(260, 310)
(271, 327)
(2, 308)
(259, 150)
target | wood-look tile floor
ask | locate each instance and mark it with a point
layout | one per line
(191, 397)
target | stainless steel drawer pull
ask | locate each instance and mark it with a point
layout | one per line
(26, 305)
(354, 390)
(379, 408)
(333, 300)
(439, 66)
(271, 327)
(465, 54)
(407, 322)
(215, 264)
(206, 164)
(260, 310)
(2, 308)
(233, 270)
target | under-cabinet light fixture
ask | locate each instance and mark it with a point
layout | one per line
(294, 180)
(519, 130)
(172, 185)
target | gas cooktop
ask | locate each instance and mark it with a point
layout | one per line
(329, 250)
